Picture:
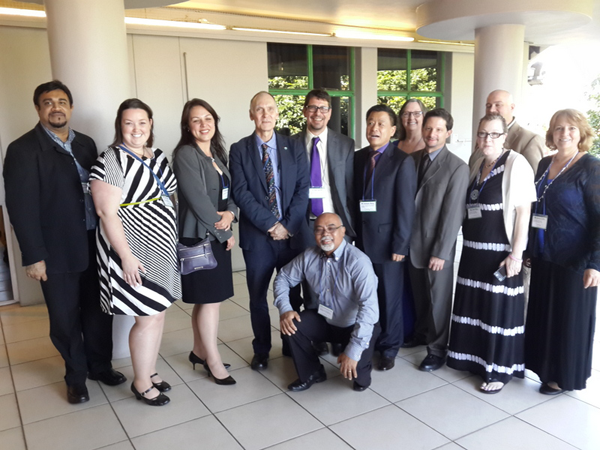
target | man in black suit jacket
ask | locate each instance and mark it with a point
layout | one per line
(46, 174)
(273, 225)
(385, 183)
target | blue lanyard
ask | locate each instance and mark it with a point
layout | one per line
(321, 293)
(476, 181)
(158, 181)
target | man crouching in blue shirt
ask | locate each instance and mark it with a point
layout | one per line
(341, 277)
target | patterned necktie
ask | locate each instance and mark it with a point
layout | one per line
(268, 168)
(315, 178)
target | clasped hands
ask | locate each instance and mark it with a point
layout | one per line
(278, 232)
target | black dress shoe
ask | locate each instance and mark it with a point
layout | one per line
(336, 349)
(321, 348)
(358, 388)
(163, 386)
(317, 377)
(431, 363)
(259, 362)
(412, 343)
(222, 381)
(197, 360)
(77, 393)
(386, 363)
(159, 400)
(546, 389)
(109, 377)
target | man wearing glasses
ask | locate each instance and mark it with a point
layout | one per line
(342, 279)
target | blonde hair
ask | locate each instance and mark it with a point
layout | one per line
(579, 120)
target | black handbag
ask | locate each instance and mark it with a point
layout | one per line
(197, 257)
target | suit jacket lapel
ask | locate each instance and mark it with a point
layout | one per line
(286, 163)
(256, 161)
(435, 166)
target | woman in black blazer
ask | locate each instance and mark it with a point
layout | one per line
(205, 209)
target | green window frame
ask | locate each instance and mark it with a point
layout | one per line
(409, 93)
(348, 93)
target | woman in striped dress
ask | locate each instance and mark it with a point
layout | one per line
(131, 183)
(488, 320)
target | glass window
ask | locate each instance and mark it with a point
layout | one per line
(331, 67)
(392, 69)
(424, 69)
(288, 66)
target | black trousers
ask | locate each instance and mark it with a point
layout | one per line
(260, 265)
(79, 329)
(314, 327)
(389, 293)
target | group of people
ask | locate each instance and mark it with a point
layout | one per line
(300, 203)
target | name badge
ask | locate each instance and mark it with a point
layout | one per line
(473, 211)
(368, 206)
(167, 201)
(325, 312)
(86, 188)
(225, 193)
(539, 221)
(316, 192)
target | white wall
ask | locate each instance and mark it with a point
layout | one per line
(460, 102)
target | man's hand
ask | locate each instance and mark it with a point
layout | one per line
(230, 243)
(397, 258)
(591, 278)
(225, 222)
(436, 264)
(278, 232)
(286, 321)
(37, 271)
(347, 367)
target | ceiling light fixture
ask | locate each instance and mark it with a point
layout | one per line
(355, 34)
(22, 12)
(173, 23)
(260, 30)
(465, 44)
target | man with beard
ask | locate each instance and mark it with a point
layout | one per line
(46, 177)
(341, 277)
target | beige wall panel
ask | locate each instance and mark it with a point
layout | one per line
(460, 103)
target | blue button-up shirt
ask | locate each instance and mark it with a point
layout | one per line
(272, 151)
(91, 219)
(346, 283)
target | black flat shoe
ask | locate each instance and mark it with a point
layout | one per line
(546, 389)
(386, 363)
(77, 393)
(163, 386)
(431, 363)
(317, 377)
(160, 400)
(358, 387)
(197, 360)
(259, 362)
(109, 377)
(222, 381)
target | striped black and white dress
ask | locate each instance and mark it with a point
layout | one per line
(487, 332)
(150, 229)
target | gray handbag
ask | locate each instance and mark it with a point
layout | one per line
(197, 257)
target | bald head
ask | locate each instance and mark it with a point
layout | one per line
(329, 232)
(500, 102)
(264, 114)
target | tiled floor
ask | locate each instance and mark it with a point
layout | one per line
(403, 409)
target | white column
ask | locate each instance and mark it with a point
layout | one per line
(498, 64)
(365, 90)
(88, 52)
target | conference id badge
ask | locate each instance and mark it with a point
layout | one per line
(325, 312)
(167, 201)
(539, 221)
(368, 206)
(316, 192)
(225, 193)
(474, 211)
(86, 188)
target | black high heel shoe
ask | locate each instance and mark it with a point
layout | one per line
(223, 381)
(161, 400)
(163, 386)
(197, 360)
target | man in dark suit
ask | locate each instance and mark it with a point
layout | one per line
(440, 208)
(385, 183)
(270, 182)
(46, 174)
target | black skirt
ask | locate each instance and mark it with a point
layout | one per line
(209, 286)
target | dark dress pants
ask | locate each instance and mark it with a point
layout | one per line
(260, 265)
(79, 329)
(314, 327)
(389, 294)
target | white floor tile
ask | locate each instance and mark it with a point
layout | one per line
(438, 409)
(176, 342)
(30, 350)
(124, 445)
(177, 319)
(568, 419)
(6, 381)
(243, 347)
(230, 310)
(323, 438)
(234, 329)
(27, 330)
(591, 394)
(38, 373)
(388, 428)
(10, 417)
(3, 356)
(261, 424)
(514, 434)
(18, 314)
(13, 439)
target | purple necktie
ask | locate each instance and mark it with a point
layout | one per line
(270, 176)
(315, 177)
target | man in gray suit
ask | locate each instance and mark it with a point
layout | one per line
(331, 163)
(439, 210)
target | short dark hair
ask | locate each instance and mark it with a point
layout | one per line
(53, 85)
(386, 109)
(441, 113)
(401, 130)
(131, 103)
(321, 94)
(217, 143)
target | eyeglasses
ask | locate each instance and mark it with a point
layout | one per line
(484, 135)
(313, 109)
(412, 113)
(330, 229)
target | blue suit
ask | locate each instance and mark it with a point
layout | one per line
(261, 253)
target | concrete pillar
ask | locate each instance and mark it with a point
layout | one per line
(88, 52)
(498, 64)
(365, 89)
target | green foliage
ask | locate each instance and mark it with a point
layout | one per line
(424, 80)
(289, 82)
(290, 113)
(594, 115)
